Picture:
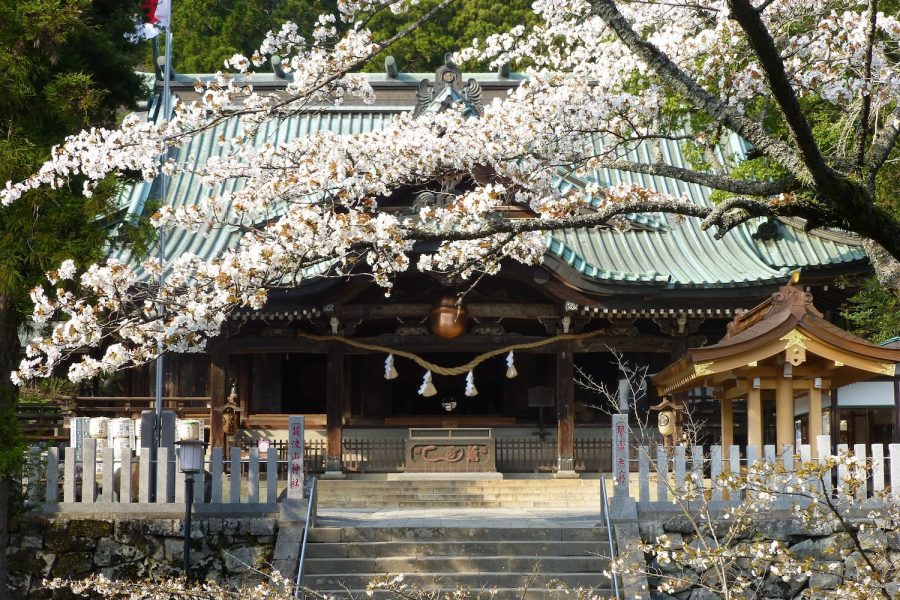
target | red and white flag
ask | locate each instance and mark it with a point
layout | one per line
(158, 12)
(157, 15)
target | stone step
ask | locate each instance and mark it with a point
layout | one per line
(426, 549)
(449, 593)
(473, 504)
(390, 564)
(473, 581)
(462, 534)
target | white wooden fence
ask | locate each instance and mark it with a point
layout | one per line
(125, 478)
(664, 470)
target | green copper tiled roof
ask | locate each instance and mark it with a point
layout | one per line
(659, 251)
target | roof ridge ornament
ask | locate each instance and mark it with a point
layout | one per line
(448, 90)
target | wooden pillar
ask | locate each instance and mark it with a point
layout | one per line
(565, 411)
(784, 412)
(754, 419)
(815, 417)
(727, 424)
(218, 391)
(334, 398)
(896, 436)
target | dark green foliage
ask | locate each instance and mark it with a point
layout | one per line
(873, 312)
(450, 30)
(64, 65)
(206, 32)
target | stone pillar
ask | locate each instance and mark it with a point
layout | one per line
(754, 419)
(727, 424)
(784, 412)
(334, 411)
(565, 411)
(815, 417)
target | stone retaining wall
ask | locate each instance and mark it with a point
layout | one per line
(835, 558)
(222, 549)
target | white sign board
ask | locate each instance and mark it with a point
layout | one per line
(620, 449)
(295, 456)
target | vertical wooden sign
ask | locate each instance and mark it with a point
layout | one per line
(620, 450)
(295, 457)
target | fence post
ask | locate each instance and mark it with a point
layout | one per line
(144, 475)
(643, 474)
(662, 474)
(769, 454)
(859, 453)
(52, 475)
(108, 481)
(253, 471)
(162, 475)
(697, 466)
(679, 468)
(215, 473)
(69, 474)
(715, 471)
(89, 470)
(894, 450)
(125, 477)
(234, 496)
(843, 472)
(752, 456)
(271, 475)
(823, 445)
(877, 467)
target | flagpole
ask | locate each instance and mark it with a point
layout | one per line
(163, 187)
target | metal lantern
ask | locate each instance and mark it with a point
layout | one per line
(447, 319)
(192, 452)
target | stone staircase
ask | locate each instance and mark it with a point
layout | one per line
(505, 563)
(573, 494)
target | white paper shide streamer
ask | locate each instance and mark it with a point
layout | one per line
(510, 366)
(427, 388)
(471, 390)
(390, 372)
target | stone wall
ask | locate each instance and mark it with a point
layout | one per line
(222, 549)
(833, 554)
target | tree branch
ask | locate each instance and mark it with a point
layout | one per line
(872, 14)
(711, 180)
(769, 58)
(670, 73)
(883, 144)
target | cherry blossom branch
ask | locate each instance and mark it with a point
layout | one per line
(669, 72)
(773, 65)
(862, 134)
(711, 180)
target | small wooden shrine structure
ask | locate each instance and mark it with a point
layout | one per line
(783, 348)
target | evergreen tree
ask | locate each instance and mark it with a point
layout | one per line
(64, 65)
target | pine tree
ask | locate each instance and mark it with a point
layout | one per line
(64, 65)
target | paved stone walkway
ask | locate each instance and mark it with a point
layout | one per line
(457, 517)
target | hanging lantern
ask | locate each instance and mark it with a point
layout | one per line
(389, 371)
(427, 388)
(666, 422)
(471, 390)
(447, 319)
(510, 366)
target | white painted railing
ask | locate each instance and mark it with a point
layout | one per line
(125, 478)
(662, 471)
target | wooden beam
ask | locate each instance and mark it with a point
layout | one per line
(784, 412)
(334, 408)
(478, 310)
(727, 424)
(218, 391)
(565, 410)
(815, 417)
(754, 420)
